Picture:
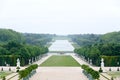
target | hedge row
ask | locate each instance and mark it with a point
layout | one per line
(93, 73)
(24, 73)
(108, 60)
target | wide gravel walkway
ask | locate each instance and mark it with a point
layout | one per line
(59, 73)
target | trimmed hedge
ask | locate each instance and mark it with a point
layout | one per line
(24, 73)
(100, 70)
(111, 60)
(93, 73)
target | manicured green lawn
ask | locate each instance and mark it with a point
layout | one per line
(57, 60)
(114, 74)
(3, 73)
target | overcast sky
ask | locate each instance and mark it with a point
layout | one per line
(60, 16)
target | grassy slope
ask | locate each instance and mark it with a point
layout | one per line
(3, 73)
(114, 74)
(60, 61)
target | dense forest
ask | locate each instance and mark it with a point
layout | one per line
(85, 39)
(7, 35)
(95, 47)
(26, 47)
(37, 39)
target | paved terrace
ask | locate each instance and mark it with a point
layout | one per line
(46, 72)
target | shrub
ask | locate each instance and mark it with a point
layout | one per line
(9, 69)
(24, 73)
(3, 78)
(109, 69)
(93, 73)
(2, 69)
(118, 69)
(112, 78)
(84, 66)
(17, 70)
(100, 70)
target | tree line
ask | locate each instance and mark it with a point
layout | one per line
(90, 39)
(13, 50)
(110, 52)
(85, 39)
(15, 45)
(7, 35)
(105, 46)
(37, 39)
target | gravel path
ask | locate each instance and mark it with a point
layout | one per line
(59, 73)
(62, 73)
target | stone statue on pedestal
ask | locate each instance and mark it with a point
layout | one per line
(91, 61)
(18, 63)
(102, 63)
(29, 61)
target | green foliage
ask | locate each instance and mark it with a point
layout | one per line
(26, 46)
(112, 78)
(109, 51)
(114, 74)
(24, 73)
(118, 69)
(2, 69)
(3, 74)
(7, 35)
(13, 50)
(84, 66)
(113, 37)
(4, 78)
(110, 69)
(9, 69)
(37, 39)
(90, 39)
(93, 73)
(111, 60)
(100, 70)
(95, 47)
(85, 39)
(17, 70)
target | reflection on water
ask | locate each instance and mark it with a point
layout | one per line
(61, 45)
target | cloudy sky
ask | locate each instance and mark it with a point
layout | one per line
(60, 16)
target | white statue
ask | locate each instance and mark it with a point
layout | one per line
(88, 60)
(102, 63)
(91, 61)
(29, 61)
(18, 63)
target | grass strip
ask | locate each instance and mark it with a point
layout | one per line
(58, 60)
